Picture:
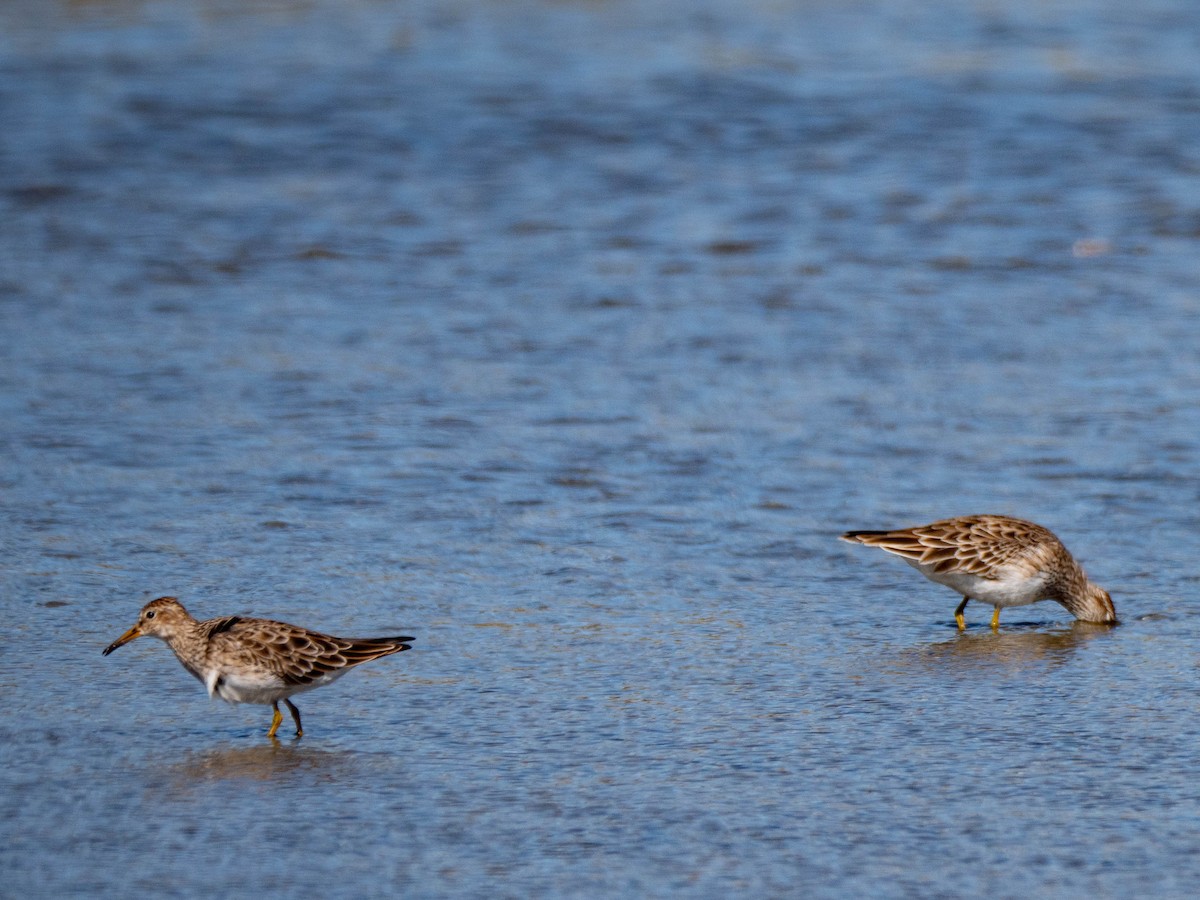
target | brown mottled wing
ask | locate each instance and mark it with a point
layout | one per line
(299, 656)
(976, 545)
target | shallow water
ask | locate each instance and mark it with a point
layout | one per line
(567, 337)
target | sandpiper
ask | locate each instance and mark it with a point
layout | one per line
(244, 660)
(998, 560)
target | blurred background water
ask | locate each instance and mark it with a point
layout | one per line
(567, 336)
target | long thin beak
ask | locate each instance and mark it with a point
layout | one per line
(123, 639)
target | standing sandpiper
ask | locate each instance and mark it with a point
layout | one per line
(244, 660)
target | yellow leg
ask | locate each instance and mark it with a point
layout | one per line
(295, 716)
(958, 614)
(275, 720)
(996, 620)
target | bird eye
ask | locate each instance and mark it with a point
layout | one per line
(150, 615)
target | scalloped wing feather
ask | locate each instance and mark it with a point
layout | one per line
(296, 655)
(974, 545)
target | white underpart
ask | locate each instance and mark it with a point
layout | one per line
(1014, 586)
(258, 687)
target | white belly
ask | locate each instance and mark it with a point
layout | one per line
(1015, 587)
(257, 687)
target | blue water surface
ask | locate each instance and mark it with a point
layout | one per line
(567, 337)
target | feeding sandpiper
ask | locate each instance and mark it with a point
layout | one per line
(997, 560)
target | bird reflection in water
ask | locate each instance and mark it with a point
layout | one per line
(1013, 648)
(264, 763)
